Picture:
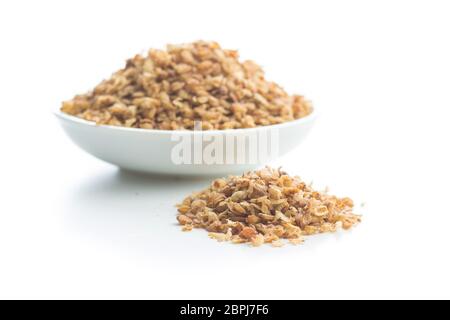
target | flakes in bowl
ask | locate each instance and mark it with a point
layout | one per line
(172, 89)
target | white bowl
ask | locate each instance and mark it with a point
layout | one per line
(152, 151)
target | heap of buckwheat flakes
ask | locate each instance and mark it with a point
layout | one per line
(264, 206)
(171, 89)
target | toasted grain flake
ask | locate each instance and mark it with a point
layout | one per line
(265, 206)
(296, 241)
(320, 211)
(248, 233)
(238, 195)
(218, 236)
(346, 225)
(183, 208)
(258, 240)
(277, 243)
(253, 219)
(184, 220)
(236, 208)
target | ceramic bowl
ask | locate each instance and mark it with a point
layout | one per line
(211, 153)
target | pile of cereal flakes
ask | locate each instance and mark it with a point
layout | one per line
(173, 89)
(264, 206)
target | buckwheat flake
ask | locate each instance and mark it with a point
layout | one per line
(296, 241)
(277, 243)
(265, 206)
(172, 89)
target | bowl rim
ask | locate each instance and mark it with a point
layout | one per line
(65, 116)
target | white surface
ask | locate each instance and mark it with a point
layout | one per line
(152, 151)
(74, 227)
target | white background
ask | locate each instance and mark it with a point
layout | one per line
(72, 226)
